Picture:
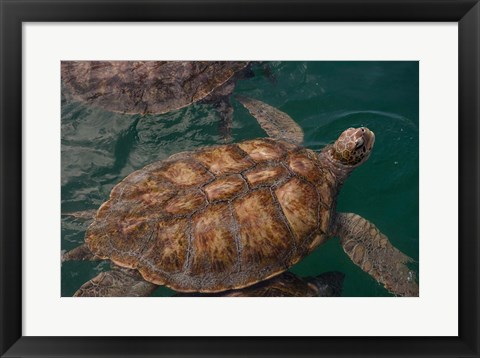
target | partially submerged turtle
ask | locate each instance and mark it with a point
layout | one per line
(226, 217)
(155, 87)
(121, 282)
(140, 87)
(287, 284)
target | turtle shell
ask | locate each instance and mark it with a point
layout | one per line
(286, 284)
(145, 86)
(218, 218)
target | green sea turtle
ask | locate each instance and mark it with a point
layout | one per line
(287, 284)
(122, 282)
(152, 87)
(226, 217)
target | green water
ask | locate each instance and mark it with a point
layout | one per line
(100, 148)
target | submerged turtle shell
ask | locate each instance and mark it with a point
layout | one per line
(287, 284)
(218, 218)
(145, 86)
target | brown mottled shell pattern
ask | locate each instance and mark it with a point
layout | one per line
(219, 218)
(145, 86)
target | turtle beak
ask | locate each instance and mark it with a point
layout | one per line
(368, 137)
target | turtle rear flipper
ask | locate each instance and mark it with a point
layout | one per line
(225, 111)
(220, 99)
(276, 123)
(118, 282)
(371, 250)
(80, 253)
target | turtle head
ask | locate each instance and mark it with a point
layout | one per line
(354, 146)
(328, 284)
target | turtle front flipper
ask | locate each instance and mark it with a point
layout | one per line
(276, 123)
(119, 282)
(371, 250)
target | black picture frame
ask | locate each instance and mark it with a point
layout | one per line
(14, 12)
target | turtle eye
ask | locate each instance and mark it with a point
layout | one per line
(359, 142)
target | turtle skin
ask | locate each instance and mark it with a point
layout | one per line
(218, 218)
(143, 87)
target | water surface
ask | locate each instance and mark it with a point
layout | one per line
(100, 148)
